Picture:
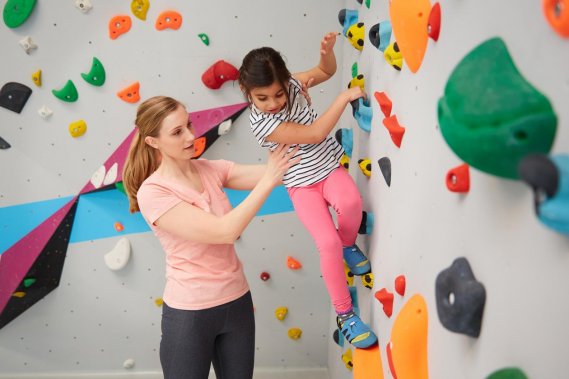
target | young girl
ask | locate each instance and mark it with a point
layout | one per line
(207, 315)
(280, 114)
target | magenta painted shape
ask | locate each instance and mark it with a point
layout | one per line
(17, 260)
(205, 120)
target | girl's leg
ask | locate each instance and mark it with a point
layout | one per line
(312, 210)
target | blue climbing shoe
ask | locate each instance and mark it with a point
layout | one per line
(356, 332)
(356, 260)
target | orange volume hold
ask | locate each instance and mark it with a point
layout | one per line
(119, 25)
(130, 94)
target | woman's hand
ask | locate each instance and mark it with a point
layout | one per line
(327, 43)
(280, 160)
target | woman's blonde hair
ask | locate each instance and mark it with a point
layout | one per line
(142, 159)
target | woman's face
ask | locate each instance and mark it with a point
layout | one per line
(176, 137)
(270, 99)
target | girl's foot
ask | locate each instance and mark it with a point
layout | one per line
(356, 260)
(356, 332)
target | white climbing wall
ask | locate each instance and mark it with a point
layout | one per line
(421, 227)
(97, 318)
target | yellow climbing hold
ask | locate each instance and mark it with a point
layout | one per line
(19, 294)
(139, 8)
(367, 280)
(348, 360)
(36, 77)
(77, 128)
(281, 312)
(294, 333)
(159, 301)
(349, 275)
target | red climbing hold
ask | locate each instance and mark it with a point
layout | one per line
(219, 73)
(386, 299)
(265, 276)
(400, 284)
(458, 179)
(434, 24)
(396, 131)
(384, 103)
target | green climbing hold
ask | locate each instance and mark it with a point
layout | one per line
(16, 12)
(355, 69)
(367, 3)
(67, 93)
(28, 282)
(120, 187)
(96, 75)
(490, 116)
(204, 38)
(508, 373)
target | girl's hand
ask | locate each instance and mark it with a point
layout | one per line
(304, 90)
(327, 43)
(280, 160)
(354, 93)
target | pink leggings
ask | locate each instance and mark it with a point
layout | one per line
(311, 203)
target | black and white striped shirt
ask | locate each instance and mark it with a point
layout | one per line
(318, 160)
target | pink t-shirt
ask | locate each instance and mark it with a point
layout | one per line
(198, 275)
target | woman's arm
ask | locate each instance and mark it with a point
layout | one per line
(245, 177)
(190, 222)
(325, 68)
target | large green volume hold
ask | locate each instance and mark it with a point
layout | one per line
(16, 12)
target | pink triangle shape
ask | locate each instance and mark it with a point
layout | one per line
(17, 260)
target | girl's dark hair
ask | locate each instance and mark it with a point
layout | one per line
(262, 67)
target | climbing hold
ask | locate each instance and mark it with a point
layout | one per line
(408, 344)
(458, 178)
(98, 177)
(386, 299)
(557, 15)
(77, 128)
(16, 12)
(204, 38)
(349, 275)
(118, 227)
(219, 73)
(338, 338)
(345, 137)
(19, 294)
(28, 44)
(393, 56)
(357, 80)
(356, 35)
(434, 24)
(281, 312)
(28, 282)
(96, 75)
(549, 179)
(460, 299)
(365, 166)
(120, 187)
(380, 35)
(4, 145)
(367, 363)
(366, 225)
(130, 94)
(292, 263)
(367, 280)
(199, 146)
(347, 359)
(385, 167)
(168, 20)
(390, 359)
(68, 93)
(396, 131)
(36, 78)
(354, 70)
(508, 373)
(361, 110)
(490, 116)
(128, 364)
(119, 25)
(140, 8)
(294, 333)
(384, 102)
(347, 18)
(400, 284)
(265, 276)
(111, 175)
(14, 96)
(224, 127)
(118, 257)
(45, 112)
(345, 161)
(83, 5)
(159, 301)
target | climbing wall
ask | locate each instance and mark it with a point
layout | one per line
(80, 278)
(464, 149)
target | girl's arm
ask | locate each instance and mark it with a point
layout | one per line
(190, 222)
(325, 68)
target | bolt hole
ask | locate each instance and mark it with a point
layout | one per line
(451, 298)
(520, 135)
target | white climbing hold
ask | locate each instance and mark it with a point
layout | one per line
(128, 364)
(111, 175)
(118, 257)
(27, 44)
(98, 177)
(83, 5)
(224, 127)
(45, 112)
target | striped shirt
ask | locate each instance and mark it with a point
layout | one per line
(318, 160)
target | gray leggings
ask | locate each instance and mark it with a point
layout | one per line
(223, 335)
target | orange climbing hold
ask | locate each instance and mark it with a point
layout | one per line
(292, 263)
(434, 26)
(409, 340)
(367, 363)
(400, 284)
(119, 227)
(384, 102)
(119, 25)
(130, 94)
(386, 299)
(168, 20)
(458, 178)
(557, 14)
(396, 131)
(199, 146)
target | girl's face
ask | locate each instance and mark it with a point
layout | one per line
(176, 136)
(270, 99)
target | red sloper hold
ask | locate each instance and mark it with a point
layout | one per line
(390, 360)
(396, 131)
(219, 73)
(385, 103)
(458, 178)
(400, 284)
(386, 299)
(434, 24)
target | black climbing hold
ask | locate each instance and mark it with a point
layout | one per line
(13, 96)
(342, 16)
(4, 144)
(541, 174)
(374, 35)
(460, 299)
(385, 167)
